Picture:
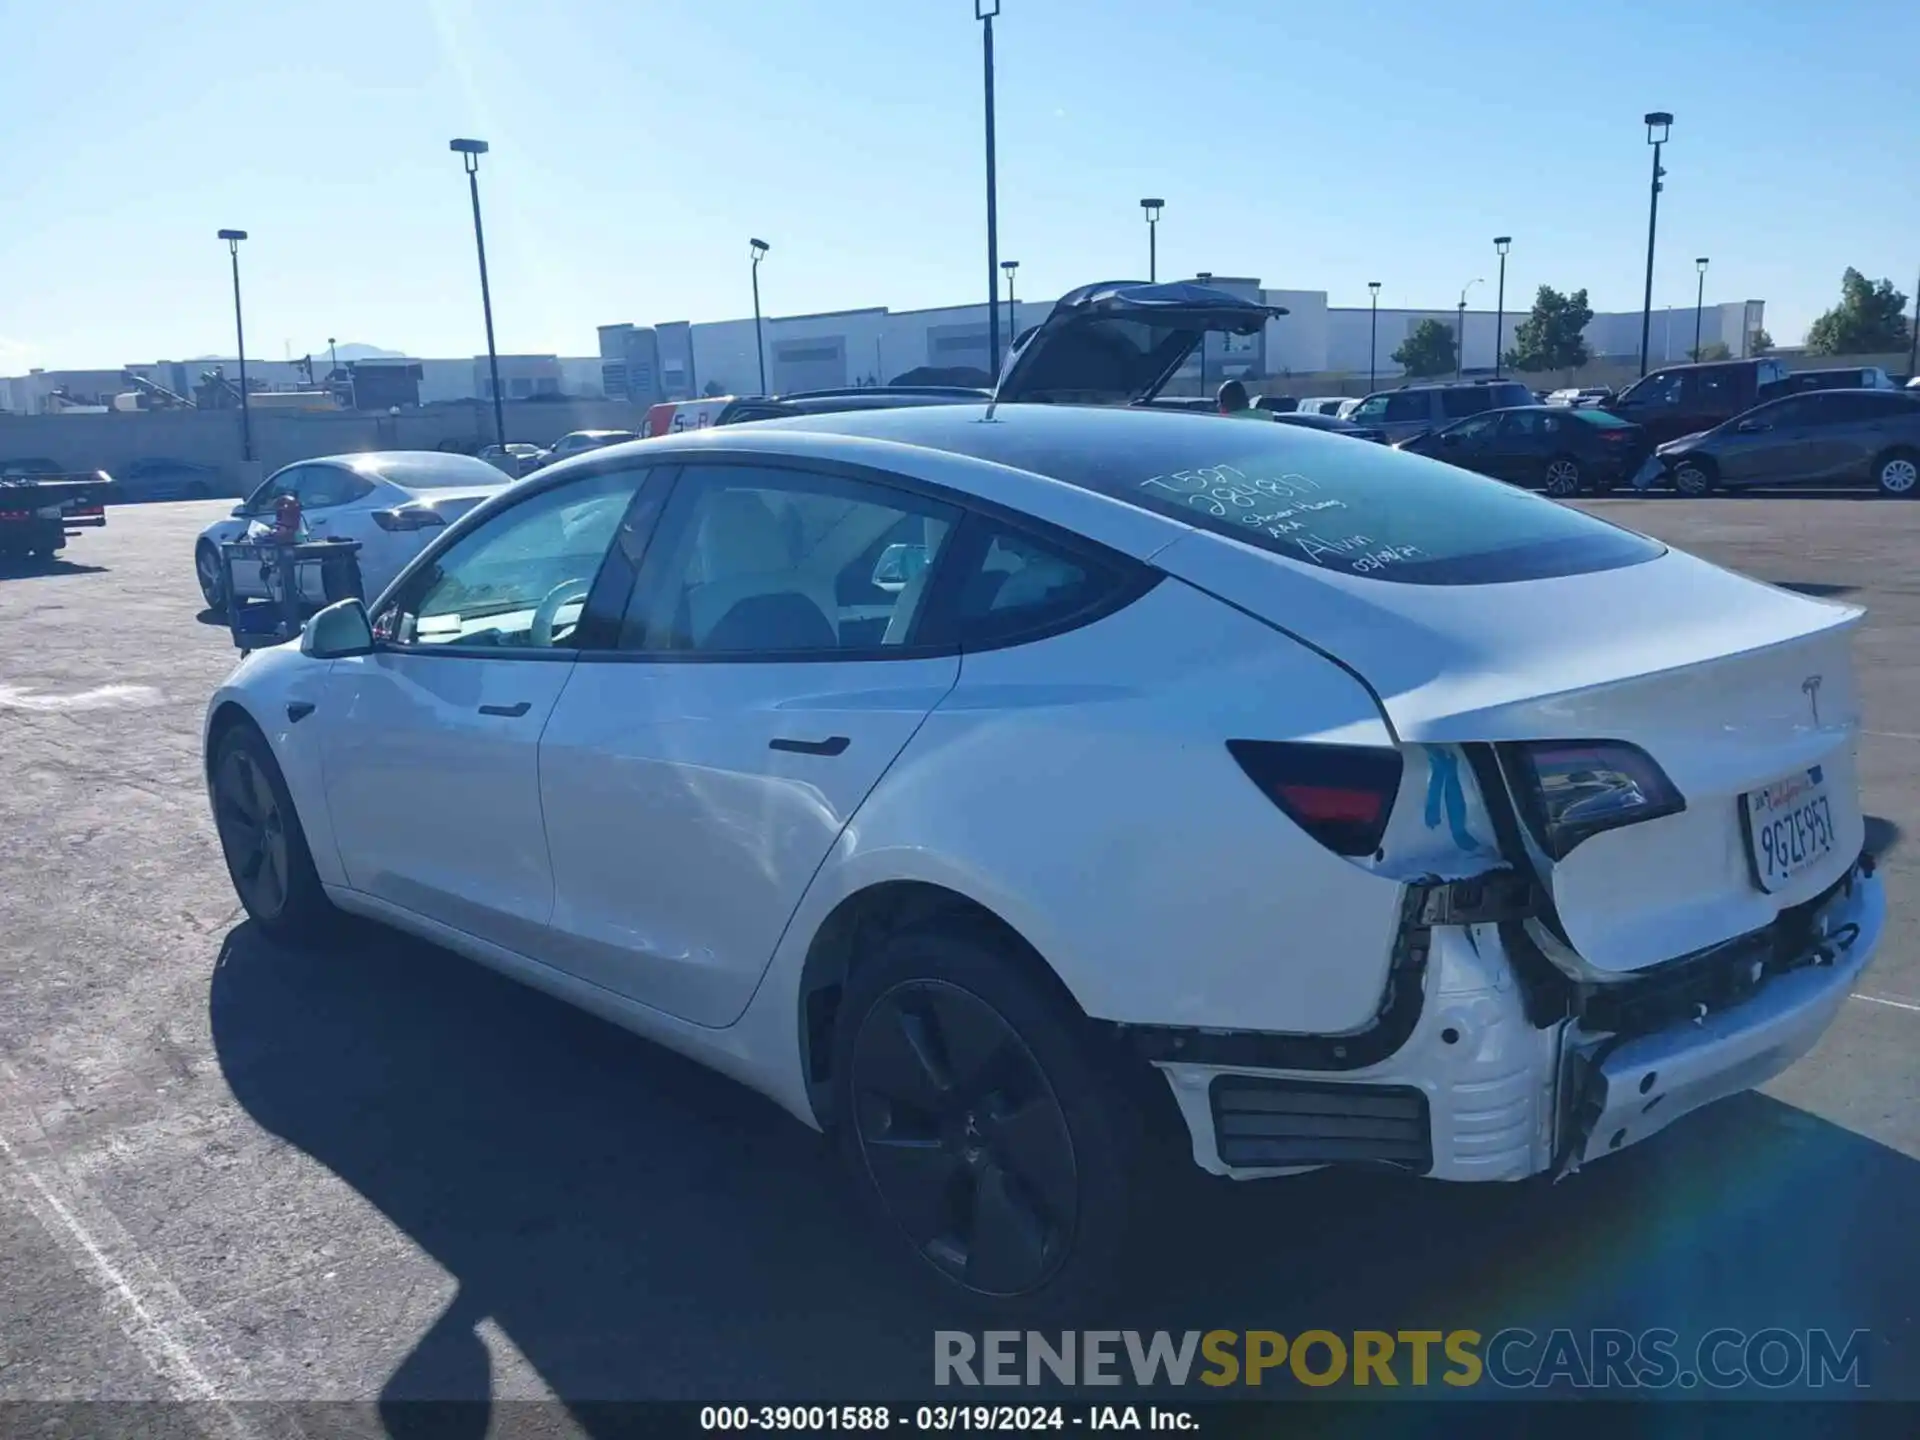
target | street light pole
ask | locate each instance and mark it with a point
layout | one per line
(1010, 266)
(1699, 303)
(470, 152)
(1151, 209)
(1658, 123)
(1373, 331)
(1460, 333)
(758, 248)
(233, 239)
(1205, 277)
(1500, 244)
(1913, 343)
(984, 11)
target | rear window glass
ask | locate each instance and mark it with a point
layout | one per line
(437, 472)
(1324, 501)
(1601, 420)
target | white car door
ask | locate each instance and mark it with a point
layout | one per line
(430, 743)
(695, 775)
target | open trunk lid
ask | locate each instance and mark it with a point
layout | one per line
(1732, 686)
(1118, 342)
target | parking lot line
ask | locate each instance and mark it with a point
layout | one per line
(1884, 1000)
(1890, 735)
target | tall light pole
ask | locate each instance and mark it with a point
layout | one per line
(233, 239)
(1373, 331)
(1460, 333)
(984, 11)
(1010, 266)
(1658, 123)
(470, 152)
(1699, 302)
(1500, 244)
(1913, 341)
(1151, 209)
(1205, 277)
(333, 356)
(758, 249)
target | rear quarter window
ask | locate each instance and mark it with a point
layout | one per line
(1365, 510)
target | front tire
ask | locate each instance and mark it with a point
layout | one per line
(1897, 474)
(262, 840)
(1562, 478)
(1694, 479)
(206, 569)
(981, 1121)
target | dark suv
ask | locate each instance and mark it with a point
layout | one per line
(1682, 399)
(1416, 410)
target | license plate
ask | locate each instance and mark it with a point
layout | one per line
(1789, 827)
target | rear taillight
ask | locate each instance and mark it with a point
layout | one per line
(1573, 789)
(1616, 437)
(408, 517)
(1341, 795)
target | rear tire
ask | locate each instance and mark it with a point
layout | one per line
(1562, 477)
(981, 1121)
(264, 845)
(1694, 478)
(1896, 474)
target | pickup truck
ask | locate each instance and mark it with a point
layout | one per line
(37, 510)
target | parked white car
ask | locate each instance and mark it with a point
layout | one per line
(1321, 405)
(392, 501)
(579, 442)
(1008, 796)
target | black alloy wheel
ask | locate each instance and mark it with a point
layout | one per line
(964, 1138)
(253, 834)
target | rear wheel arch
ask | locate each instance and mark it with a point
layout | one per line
(853, 934)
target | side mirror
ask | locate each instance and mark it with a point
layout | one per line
(1752, 427)
(1449, 439)
(897, 565)
(239, 512)
(337, 632)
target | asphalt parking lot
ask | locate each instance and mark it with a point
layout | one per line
(229, 1171)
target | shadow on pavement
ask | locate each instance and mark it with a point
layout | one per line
(13, 569)
(1883, 836)
(1818, 589)
(641, 1228)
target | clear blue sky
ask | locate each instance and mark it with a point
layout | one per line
(638, 143)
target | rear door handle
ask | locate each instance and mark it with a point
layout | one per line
(832, 745)
(512, 712)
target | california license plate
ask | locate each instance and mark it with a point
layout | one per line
(1789, 827)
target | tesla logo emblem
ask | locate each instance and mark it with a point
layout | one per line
(1810, 687)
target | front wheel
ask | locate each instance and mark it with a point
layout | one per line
(978, 1119)
(206, 569)
(262, 840)
(1693, 479)
(1562, 476)
(1897, 474)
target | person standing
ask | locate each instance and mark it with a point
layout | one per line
(1233, 403)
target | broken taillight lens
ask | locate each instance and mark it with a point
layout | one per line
(1571, 790)
(1341, 795)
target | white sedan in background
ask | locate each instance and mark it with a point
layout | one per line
(393, 502)
(1034, 799)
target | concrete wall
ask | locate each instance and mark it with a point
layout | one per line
(107, 442)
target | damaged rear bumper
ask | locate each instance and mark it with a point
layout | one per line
(1484, 1086)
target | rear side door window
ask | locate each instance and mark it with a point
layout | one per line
(321, 487)
(1716, 391)
(1455, 403)
(1009, 586)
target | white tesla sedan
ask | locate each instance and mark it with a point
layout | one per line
(391, 501)
(1006, 793)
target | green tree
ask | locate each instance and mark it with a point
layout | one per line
(1761, 342)
(1427, 350)
(1869, 320)
(1550, 337)
(1712, 350)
